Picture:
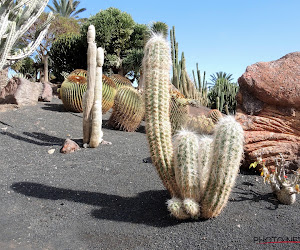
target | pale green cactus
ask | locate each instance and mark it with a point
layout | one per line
(198, 171)
(16, 17)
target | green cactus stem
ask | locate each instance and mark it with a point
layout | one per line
(128, 109)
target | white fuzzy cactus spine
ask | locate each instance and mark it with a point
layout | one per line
(16, 18)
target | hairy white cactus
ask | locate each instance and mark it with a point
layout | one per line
(92, 99)
(16, 17)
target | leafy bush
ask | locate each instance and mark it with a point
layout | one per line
(68, 53)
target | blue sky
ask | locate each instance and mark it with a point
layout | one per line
(219, 35)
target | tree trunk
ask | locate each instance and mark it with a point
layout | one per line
(3, 78)
(45, 77)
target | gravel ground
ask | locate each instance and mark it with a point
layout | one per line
(109, 198)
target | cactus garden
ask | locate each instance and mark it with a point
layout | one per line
(110, 140)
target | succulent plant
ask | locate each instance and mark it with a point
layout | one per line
(128, 109)
(199, 172)
(200, 124)
(285, 188)
(120, 81)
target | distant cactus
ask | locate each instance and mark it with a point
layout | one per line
(109, 91)
(75, 85)
(199, 172)
(200, 124)
(79, 72)
(178, 112)
(71, 92)
(120, 81)
(215, 115)
(128, 109)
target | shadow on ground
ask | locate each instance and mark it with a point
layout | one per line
(40, 139)
(146, 208)
(54, 107)
(254, 196)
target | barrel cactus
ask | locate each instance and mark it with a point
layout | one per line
(75, 85)
(109, 91)
(128, 109)
(71, 92)
(120, 81)
(198, 171)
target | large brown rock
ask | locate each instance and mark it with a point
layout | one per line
(269, 109)
(20, 91)
(47, 93)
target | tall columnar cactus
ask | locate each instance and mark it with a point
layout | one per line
(92, 110)
(224, 162)
(181, 79)
(199, 172)
(156, 77)
(128, 109)
(16, 17)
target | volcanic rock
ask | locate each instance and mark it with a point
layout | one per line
(269, 110)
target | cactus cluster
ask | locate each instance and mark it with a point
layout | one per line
(198, 171)
(128, 109)
(16, 18)
(181, 80)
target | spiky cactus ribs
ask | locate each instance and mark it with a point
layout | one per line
(120, 81)
(75, 85)
(128, 109)
(198, 171)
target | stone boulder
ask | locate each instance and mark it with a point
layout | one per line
(269, 110)
(47, 93)
(21, 91)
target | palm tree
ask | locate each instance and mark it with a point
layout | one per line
(220, 75)
(66, 8)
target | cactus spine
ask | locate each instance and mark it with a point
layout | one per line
(156, 77)
(92, 113)
(199, 173)
(16, 18)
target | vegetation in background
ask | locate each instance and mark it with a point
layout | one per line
(222, 94)
(66, 8)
